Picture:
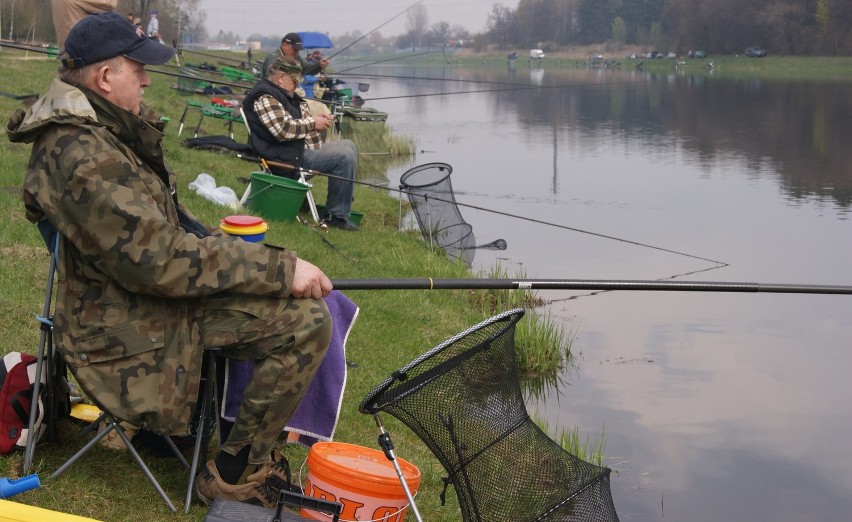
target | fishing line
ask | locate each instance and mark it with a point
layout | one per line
(401, 57)
(377, 28)
(508, 214)
(519, 88)
(590, 294)
(243, 86)
(475, 207)
(455, 80)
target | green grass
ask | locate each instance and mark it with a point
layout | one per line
(789, 68)
(393, 327)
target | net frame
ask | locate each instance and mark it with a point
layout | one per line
(463, 400)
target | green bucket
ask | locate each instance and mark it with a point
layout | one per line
(276, 197)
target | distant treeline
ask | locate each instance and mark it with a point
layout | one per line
(819, 27)
(788, 27)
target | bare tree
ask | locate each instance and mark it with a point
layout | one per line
(441, 33)
(502, 22)
(418, 22)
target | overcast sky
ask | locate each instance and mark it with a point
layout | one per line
(336, 17)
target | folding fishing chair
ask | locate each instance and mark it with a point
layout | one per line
(50, 361)
(303, 177)
(463, 399)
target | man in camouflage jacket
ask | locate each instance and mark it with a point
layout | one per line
(140, 296)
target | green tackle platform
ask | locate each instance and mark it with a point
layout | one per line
(214, 111)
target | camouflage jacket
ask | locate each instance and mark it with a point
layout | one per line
(131, 280)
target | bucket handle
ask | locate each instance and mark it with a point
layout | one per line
(386, 517)
(253, 194)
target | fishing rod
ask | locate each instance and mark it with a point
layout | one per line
(26, 47)
(519, 88)
(586, 284)
(200, 78)
(377, 28)
(499, 212)
(211, 56)
(197, 68)
(158, 71)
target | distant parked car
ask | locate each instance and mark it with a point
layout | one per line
(699, 54)
(671, 55)
(755, 52)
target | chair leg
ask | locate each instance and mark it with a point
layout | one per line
(44, 351)
(310, 197)
(198, 127)
(182, 118)
(202, 436)
(112, 424)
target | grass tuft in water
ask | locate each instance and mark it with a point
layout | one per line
(542, 346)
(570, 440)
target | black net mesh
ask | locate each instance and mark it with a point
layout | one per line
(430, 193)
(463, 399)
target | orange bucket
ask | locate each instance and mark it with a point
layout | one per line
(362, 479)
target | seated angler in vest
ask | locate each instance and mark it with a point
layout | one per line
(283, 130)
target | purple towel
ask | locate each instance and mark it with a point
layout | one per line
(316, 417)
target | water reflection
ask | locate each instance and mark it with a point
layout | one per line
(715, 406)
(797, 129)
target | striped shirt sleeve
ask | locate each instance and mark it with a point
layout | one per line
(282, 125)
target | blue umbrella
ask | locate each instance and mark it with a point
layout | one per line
(314, 40)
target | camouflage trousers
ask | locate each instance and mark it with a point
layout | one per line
(287, 340)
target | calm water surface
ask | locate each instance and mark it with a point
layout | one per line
(713, 406)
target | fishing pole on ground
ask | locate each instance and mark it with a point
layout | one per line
(27, 47)
(587, 284)
(500, 212)
(377, 28)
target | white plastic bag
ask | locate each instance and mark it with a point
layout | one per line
(205, 186)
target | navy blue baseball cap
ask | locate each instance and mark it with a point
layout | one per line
(102, 36)
(293, 39)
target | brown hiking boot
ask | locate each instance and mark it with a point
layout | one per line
(276, 475)
(210, 485)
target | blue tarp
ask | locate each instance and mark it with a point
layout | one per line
(314, 40)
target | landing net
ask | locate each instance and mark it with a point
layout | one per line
(463, 399)
(433, 203)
